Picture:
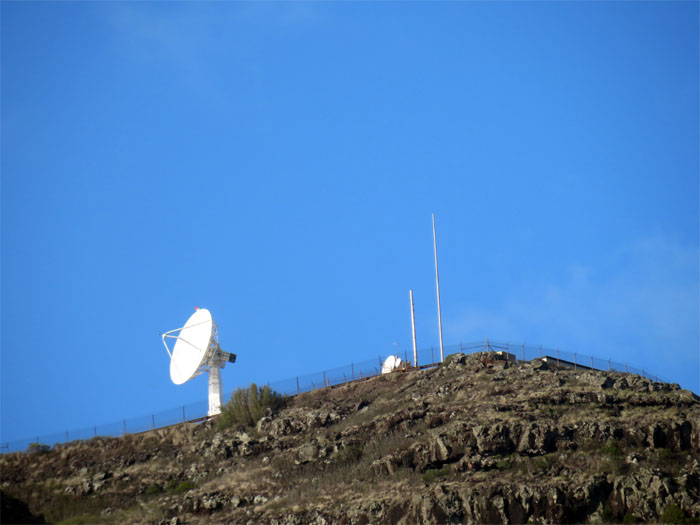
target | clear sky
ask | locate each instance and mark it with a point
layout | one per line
(278, 163)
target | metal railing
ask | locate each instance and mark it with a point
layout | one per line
(355, 371)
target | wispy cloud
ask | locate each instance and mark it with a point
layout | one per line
(641, 307)
(202, 45)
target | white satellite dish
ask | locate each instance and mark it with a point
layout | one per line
(196, 351)
(391, 363)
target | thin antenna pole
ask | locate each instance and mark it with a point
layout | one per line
(413, 328)
(437, 286)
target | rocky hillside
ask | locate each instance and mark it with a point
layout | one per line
(475, 440)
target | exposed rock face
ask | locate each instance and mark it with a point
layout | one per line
(472, 441)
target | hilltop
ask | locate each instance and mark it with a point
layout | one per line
(475, 440)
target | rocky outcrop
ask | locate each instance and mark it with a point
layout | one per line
(472, 441)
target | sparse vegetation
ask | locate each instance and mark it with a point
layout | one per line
(154, 489)
(70, 509)
(608, 516)
(614, 460)
(82, 519)
(670, 461)
(393, 448)
(348, 455)
(248, 405)
(504, 463)
(37, 448)
(631, 518)
(673, 514)
(612, 449)
(431, 475)
(184, 486)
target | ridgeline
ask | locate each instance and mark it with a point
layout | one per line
(475, 440)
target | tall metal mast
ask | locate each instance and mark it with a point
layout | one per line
(413, 328)
(437, 285)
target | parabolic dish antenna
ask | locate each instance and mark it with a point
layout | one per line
(391, 363)
(196, 351)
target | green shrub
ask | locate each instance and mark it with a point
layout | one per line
(673, 514)
(348, 455)
(153, 489)
(544, 462)
(247, 406)
(172, 484)
(431, 475)
(37, 448)
(184, 486)
(608, 516)
(666, 455)
(504, 463)
(612, 449)
(631, 518)
(615, 459)
(669, 458)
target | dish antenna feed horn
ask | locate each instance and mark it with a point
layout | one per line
(196, 351)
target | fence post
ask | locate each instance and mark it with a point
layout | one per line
(609, 365)
(488, 348)
(432, 356)
(405, 356)
(153, 421)
(298, 389)
(125, 427)
(95, 430)
(592, 365)
(324, 378)
(360, 373)
(460, 348)
(557, 357)
(574, 360)
(643, 373)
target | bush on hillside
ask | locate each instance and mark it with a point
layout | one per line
(674, 514)
(184, 486)
(37, 448)
(153, 489)
(248, 405)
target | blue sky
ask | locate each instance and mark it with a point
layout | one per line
(278, 163)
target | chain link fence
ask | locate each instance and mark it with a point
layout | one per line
(426, 357)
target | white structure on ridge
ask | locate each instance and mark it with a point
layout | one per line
(196, 351)
(391, 363)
